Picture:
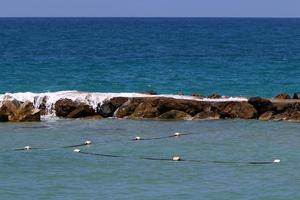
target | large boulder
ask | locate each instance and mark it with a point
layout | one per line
(152, 107)
(262, 105)
(108, 107)
(282, 96)
(234, 109)
(16, 111)
(175, 115)
(73, 109)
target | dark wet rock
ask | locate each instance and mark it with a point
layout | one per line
(266, 116)
(262, 105)
(207, 115)
(296, 95)
(17, 111)
(72, 109)
(214, 96)
(108, 107)
(3, 117)
(282, 96)
(243, 110)
(175, 114)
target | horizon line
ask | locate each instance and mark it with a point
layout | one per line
(261, 17)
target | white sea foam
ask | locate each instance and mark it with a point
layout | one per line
(93, 98)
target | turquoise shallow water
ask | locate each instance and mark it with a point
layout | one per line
(236, 56)
(62, 174)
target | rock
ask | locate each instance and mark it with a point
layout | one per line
(3, 117)
(266, 116)
(289, 115)
(214, 96)
(262, 105)
(150, 92)
(72, 109)
(151, 107)
(127, 108)
(283, 96)
(242, 110)
(147, 109)
(175, 114)
(200, 96)
(107, 108)
(180, 93)
(207, 115)
(16, 111)
(296, 95)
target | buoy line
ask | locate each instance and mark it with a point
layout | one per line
(27, 148)
(137, 138)
(179, 159)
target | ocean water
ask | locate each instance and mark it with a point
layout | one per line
(56, 173)
(231, 56)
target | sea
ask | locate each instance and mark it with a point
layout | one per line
(235, 57)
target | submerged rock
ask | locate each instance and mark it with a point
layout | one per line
(72, 109)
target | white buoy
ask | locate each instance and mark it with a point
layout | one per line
(27, 147)
(137, 138)
(176, 158)
(276, 161)
(77, 150)
(176, 134)
(88, 142)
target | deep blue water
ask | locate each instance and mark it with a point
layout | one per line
(231, 56)
(228, 56)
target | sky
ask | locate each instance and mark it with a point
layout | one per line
(149, 8)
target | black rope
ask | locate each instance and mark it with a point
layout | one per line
(178, 159)
(163, 137)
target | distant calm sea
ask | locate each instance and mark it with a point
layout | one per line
(228, 56)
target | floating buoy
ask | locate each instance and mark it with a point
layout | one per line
(88, 142)
(77, 150)
(176, 134)
(276, 161)
(27, 147)
(137, 138)
(176, 158)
